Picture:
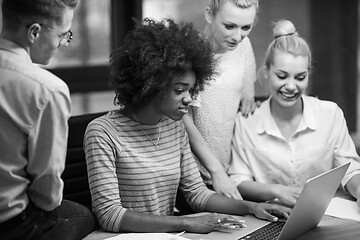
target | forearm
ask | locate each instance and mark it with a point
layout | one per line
(255, 191)
(353, 186)
(207, 158)
(222, 204)
(200, 147)
(140, 222)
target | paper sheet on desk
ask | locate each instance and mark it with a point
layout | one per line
(147, 236)
(342, 208)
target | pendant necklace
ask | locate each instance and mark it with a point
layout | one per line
(142, 129)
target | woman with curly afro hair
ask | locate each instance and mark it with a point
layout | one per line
(139, 155)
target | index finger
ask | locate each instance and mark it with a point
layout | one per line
(281, 211)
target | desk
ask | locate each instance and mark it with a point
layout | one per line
(329, 228)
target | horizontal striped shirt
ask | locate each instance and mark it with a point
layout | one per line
(128, 172)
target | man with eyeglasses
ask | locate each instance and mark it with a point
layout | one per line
(34, 111)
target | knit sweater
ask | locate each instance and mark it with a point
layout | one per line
(128, 172)
(220, 100)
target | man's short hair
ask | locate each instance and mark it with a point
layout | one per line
(18, 12)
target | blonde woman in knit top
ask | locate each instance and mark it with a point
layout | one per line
(210, 125)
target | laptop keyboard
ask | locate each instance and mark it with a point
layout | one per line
(270, 231)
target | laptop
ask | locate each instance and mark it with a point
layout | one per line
(308, 210)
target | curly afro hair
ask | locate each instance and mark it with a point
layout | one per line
(152, 54)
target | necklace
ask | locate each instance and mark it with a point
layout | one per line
(142, 129)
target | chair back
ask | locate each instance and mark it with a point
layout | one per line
(76, 187)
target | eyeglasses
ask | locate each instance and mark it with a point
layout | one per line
(64, 38)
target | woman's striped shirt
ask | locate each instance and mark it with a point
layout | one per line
(128, 172)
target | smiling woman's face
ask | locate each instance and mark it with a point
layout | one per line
(288, 78)
(230, 25)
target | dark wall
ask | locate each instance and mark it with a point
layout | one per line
(334, 37)
(297, 11)
(331, 28)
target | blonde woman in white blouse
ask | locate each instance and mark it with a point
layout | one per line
(291, 137)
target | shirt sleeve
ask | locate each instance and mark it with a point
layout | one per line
(345, 150)
(248, 90)
(191, 184)
(47, 150)
(239, 169)
(103, 181)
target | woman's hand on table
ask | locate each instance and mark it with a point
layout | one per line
(206, 223)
